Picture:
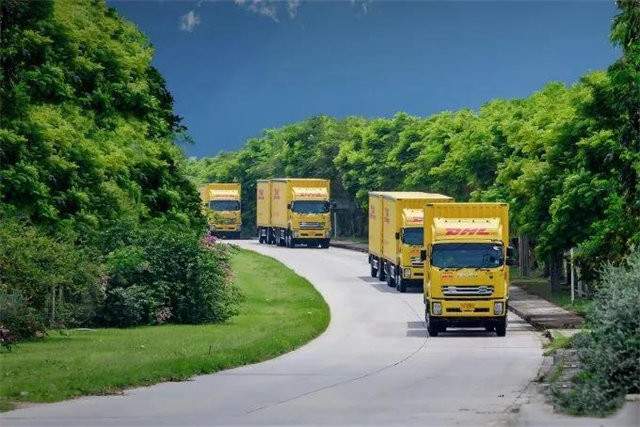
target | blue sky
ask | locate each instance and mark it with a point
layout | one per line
(236, 68)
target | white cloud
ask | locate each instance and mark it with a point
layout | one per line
(292, 7)
(269, 8)
(189, 21)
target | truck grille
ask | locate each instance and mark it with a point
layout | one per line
(228, 221)
(311, 225)
(467, 290)
(416, 261)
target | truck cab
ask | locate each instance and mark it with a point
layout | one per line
(466, 268)
(292, 211)
(223, 208)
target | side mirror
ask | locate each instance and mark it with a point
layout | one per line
(288, 205)
(510, 251)
(423, 255)
(397, 235)
(334, 205)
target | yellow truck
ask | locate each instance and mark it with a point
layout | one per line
(396, 235)
(294, 211)
(222, 205)
(466, 268)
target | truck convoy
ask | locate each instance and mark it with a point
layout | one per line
(222, 204)
(466, 259)
(294, 211)
(396, 235)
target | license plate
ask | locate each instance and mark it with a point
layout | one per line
(466, 306)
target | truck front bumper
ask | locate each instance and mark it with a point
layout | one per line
(304, 235)
(217, 228)
(468, 308)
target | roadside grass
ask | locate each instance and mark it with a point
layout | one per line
(558, 341)
(541, 287)
(281, 311)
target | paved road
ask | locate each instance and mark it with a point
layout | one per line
(374, 365)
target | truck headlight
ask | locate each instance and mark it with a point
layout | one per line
(406, 273)
(327, 233)
(436, 308)
(497, 307)
(296, 233)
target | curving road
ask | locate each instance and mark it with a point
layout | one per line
(374, 365)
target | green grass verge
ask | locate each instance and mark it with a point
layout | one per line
(281, 311)
(542, 287)
(559, 341)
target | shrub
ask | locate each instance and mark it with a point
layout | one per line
(611, 350)
(168, 274)
(54, 276)
(17, 320)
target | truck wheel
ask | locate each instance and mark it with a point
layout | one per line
(401, 285)
(391, 282)
(374, 271)
(325, 244)
(432, 327)
(501, 327)
(381, 276)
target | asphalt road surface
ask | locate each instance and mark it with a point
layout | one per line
(373, 365)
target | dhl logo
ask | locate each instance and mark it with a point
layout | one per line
(387, 215)
(276, 193)
(260, 194)
(372, 212)
(466, 231)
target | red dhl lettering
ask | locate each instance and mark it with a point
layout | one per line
(260, 194)
(372, 212)
(386, 215)
(276, 193)
(466, 231)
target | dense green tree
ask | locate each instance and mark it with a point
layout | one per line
(87, 125)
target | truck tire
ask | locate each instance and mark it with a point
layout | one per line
(324, 244)
(381, 275)
(433, 328)
(501, 327)
(374, 271)
(391, 280)
(401, 284)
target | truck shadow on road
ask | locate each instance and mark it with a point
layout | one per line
(383, 287)
(419, 329)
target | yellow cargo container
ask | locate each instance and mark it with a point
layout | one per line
(396, 235)
(375, 224)
(263, 203)
(222, 203)
(467, 260)
(299, 211)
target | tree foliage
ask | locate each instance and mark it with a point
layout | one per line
(89, 164)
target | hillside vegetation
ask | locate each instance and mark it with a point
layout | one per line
(99, 224)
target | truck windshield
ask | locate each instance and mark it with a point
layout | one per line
(224, 205)
(466, 255)
(310, 206)
(413, 236)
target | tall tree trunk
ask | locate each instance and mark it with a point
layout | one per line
(555, 270)
(523, 255)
